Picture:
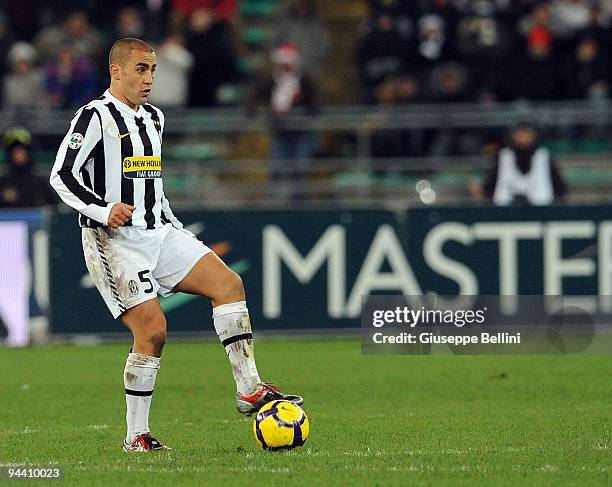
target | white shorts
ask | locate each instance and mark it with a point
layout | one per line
(130, 265)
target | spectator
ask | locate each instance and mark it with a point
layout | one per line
(382, 52)
(211, 43)
(450, 83)
(524, 172)
(284, 91)
(570, 16)
(74, 31)
(540, 16)
(596, 29)
(6, 41)
(70, 79)
(24, 86)
(587, 71)
(434, 45)
(445, 9)
(397, 143)
(399, 90)
(21, 187)
(157, 13)
(484, 42)
(150, 15)
(129, 23)
(407, 89)
(403, 13)
(300, 24)
(221, 11)
(606, 11)
(174, 63)
(535, 74)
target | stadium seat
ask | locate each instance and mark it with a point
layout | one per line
(257, 8)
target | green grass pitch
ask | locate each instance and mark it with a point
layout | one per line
(392, 420)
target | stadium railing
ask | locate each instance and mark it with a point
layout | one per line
(205, 170)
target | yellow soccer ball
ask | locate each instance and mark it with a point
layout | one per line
(280, 425)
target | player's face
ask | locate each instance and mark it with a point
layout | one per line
(137, 76)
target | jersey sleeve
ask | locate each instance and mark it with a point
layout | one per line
(75, 150)
(166, 212)
(162, 122)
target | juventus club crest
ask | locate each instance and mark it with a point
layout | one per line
(133, 286)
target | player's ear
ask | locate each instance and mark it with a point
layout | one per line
(115, 71)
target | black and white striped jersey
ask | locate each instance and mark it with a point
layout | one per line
(112, 154)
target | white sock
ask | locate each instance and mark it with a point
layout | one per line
(233, 328)
(139, 380)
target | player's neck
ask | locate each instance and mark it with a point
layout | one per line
(113, 90)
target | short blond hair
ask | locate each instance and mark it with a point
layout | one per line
(120, 52)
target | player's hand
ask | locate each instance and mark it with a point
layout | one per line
(120, 214)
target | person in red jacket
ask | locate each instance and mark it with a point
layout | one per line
(223, 10)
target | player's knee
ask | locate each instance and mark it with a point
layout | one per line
(233, 289)
(229, 289)
(157, 340)
(155, 326)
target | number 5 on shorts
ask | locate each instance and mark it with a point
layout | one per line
(146, 280)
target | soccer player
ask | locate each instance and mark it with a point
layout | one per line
(109, 169)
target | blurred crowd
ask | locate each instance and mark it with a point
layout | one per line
(54, 54)
(485, 50)
(479, 51)
(407, 50)
(59, 50)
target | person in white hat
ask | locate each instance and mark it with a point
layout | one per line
(288, 90)
(24, 79)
